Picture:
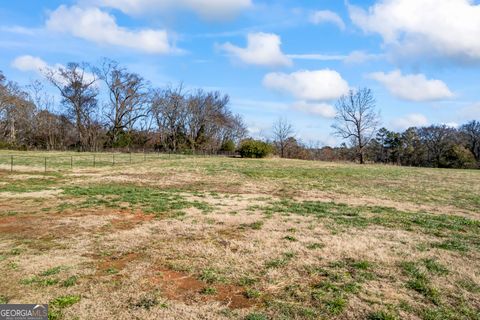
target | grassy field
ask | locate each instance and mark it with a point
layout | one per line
(221, 238)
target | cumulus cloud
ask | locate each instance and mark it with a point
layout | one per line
(445, 29)
(318, 85)
(29, 63)
(97, 26)
(326, 16)
(324, 110)
(411, 120)
(414, 87)
(209, 9)
(262, 49)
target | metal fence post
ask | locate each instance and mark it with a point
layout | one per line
(113, 159)
(45, 164)
(11, 164)
(71, 162)
(94, 161)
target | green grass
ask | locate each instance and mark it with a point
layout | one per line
(257, 225)
(420, 281)
(146, 302)
(457, 188)
(30, 185)
(51, 272)
(381, 315)
(256, 316)
(435, 267)
(209, 291)
(211, 276)
(70, 281)
(56, 306)
(461, 233)
(315, 246)
(279, 262)
(150, 200)
(325, 289)
(39, 281)
(65, 301)
(327, 297)
(252, 294)
(66, 160)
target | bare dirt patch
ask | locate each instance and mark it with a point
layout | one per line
(180, 286)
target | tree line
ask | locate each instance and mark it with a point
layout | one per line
(107, 106)
(358, 123)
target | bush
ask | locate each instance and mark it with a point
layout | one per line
(458, 157)
(255, 149)
(228, 146)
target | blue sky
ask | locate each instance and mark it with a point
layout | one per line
(282, 58)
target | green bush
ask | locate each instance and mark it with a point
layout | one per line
(228, 146)
(255, 149)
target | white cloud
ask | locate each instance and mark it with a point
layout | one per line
(326, 16)
(354, 57)
(29, 63)
(441, 28)
(324, 110)
(262, 49)
(209, 9)
(357, 57)
(92, 24)
(317, 57)
(318, 85)
(411, 120)
(414, 87)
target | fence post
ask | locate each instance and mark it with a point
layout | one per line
(113, 159)
(130, 157)
(71, 162)
(94, 161)
(45, 164)
(11, 164)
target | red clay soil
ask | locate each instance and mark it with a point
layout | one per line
(183, 287)
(116, 262)
(129, 221)
(26, 226)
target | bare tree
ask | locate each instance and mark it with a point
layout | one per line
(357, 119)
(169, 108)
(128, 95)
(77, 86)
(17, 112)
(282, 131)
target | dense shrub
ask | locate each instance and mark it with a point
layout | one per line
(228, 146)
(458, 157)
(255, 149)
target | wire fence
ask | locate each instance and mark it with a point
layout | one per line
(56, 162)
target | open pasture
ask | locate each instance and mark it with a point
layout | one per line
(191, 237)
